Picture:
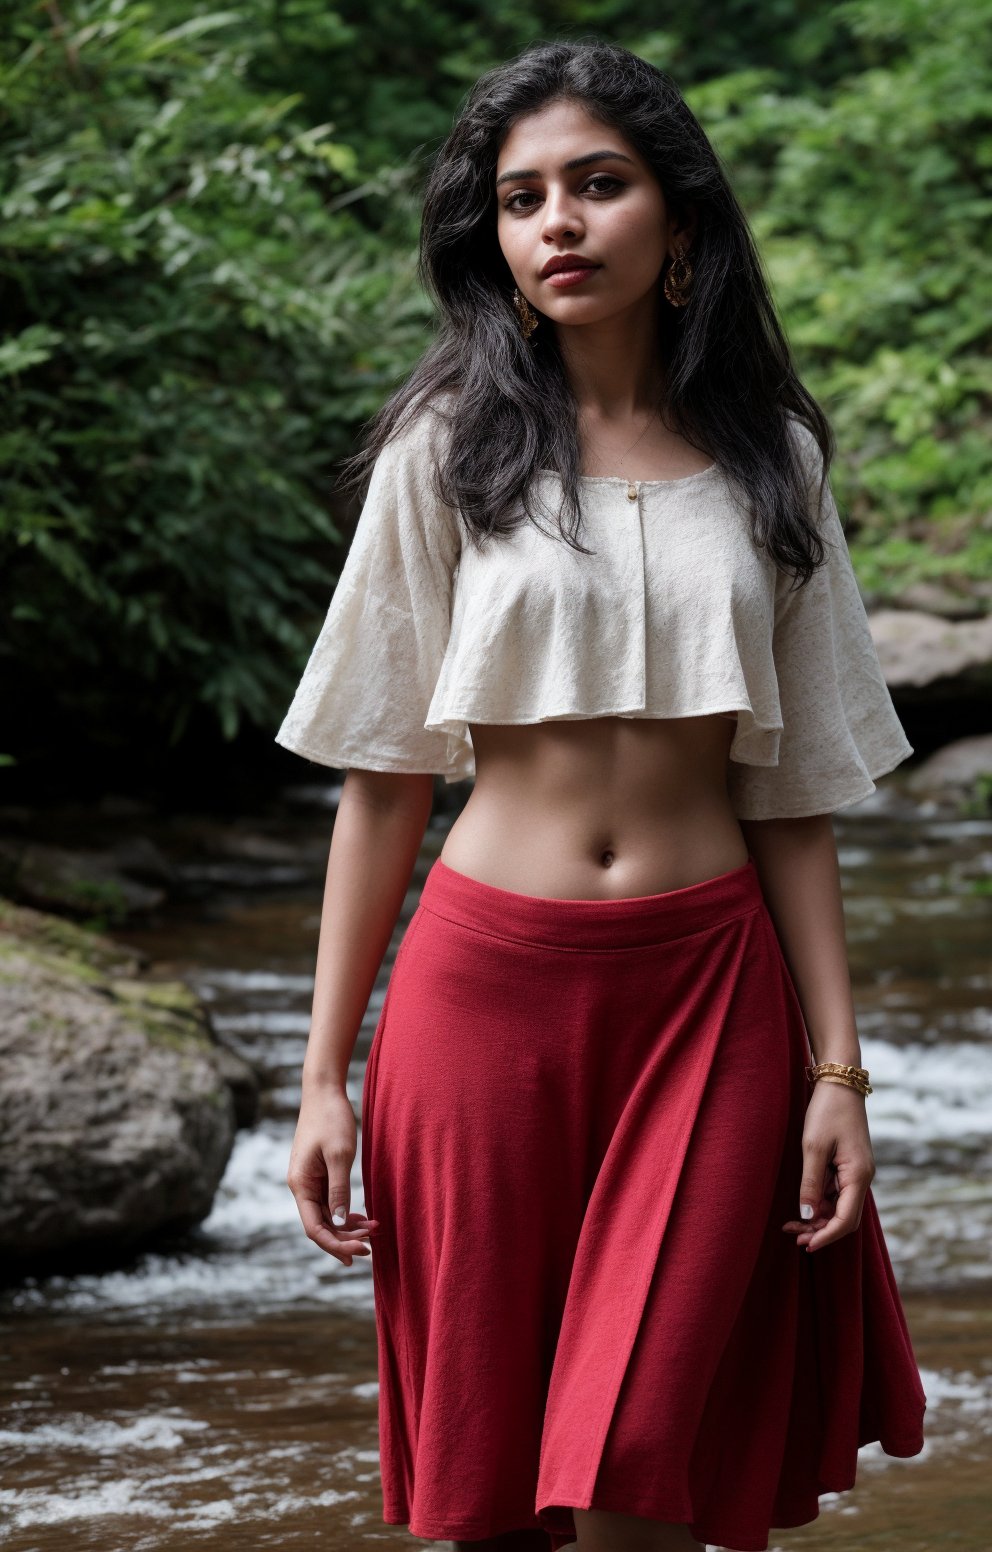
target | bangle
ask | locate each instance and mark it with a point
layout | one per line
(841, 1072)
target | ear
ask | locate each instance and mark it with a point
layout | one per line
(682, 231)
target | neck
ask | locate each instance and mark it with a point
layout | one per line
(614, 366)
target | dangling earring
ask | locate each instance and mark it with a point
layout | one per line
(677, 280)
(525, 313)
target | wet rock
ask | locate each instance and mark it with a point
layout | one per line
(951, 602)
(955, 770)
(926, 653)
(115, 884)
(139, 858)
(117, 1107)
(243, 1082)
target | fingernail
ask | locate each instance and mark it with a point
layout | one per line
(339, 1215)
(805, 1210)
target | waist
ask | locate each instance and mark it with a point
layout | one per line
(598, 809)
(628, 922)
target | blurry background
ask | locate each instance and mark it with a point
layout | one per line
(208, 226)
(208, 281)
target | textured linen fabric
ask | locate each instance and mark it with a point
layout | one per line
(676, 614)
(581, 1134)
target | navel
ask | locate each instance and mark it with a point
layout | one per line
(606, 857)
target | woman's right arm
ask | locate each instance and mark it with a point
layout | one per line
(378, 830)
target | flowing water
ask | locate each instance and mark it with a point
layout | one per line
(220, 1393)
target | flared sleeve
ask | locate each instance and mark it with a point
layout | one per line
(839, 727)
(367, 687)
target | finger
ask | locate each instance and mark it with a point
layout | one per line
(338, 1243)
(824, 1213)
(339, 1214)
(359, 1223)
(338, 1196)
(353, 1236)
(816, 1159)
(824, 1206)
(339, 1217)
(846, 1218)
(354, 1226)
(312, 1206)
(796, 1226)
(804, 1231)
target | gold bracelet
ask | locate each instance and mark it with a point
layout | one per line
(841, 1072)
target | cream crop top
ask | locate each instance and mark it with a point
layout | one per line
(677, 614)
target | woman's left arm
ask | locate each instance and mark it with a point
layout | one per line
(799, 872)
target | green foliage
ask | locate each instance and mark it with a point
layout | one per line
(191, 302)
(208, 279)
(871, 204)
(395, 73)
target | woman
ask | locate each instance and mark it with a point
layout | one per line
(631, 1290)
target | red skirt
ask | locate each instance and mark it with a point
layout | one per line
(581, 1133)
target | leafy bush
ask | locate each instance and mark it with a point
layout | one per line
(871, 204)
(190, 299)
(208, 276)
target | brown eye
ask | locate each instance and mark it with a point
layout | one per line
(510, 204)
(601, 177)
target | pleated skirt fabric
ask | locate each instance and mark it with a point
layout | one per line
(581, 1133)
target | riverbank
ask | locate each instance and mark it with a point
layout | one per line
(224, 1386)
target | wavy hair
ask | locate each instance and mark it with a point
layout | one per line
(730, 382)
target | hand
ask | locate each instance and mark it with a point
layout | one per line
(838, 1165)
(319, 1173)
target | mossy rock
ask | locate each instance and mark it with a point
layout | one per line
(117, 1072)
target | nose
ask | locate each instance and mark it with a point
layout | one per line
(562, 218)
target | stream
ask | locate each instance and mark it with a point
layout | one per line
(220, 1393)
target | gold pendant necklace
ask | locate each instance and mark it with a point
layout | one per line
(631, 484)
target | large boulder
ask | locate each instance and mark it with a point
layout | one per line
(117, 882)
(931, 656)
(955, 771)
(117, 1106)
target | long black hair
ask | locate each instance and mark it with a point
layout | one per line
(730, 382)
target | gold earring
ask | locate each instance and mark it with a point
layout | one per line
(525, 313)
(677, 279)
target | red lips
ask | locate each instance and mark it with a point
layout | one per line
(566, 261)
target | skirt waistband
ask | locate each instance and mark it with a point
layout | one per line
(630, 921)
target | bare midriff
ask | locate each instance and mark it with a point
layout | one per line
(599, 808)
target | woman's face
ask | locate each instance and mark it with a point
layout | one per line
(610, 211)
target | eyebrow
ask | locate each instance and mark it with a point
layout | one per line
(577, 161)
